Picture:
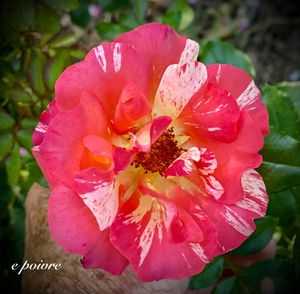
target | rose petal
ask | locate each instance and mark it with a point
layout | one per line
(234, 222)
(105, 72)
(241, 86)
(97, 189)
(236, 157)
(150, 132)
(140, 233)
(183, 165)
(73, 226)
(131, 108)
(62, 147)
(171, 47)
(177, 86)
(213, 114)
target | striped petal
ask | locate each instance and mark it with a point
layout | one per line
(98, 192)
(177, 86)
(183, 165)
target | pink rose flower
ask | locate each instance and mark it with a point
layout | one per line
(150, 156)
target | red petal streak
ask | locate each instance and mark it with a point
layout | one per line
(183, 165)
(73, 226)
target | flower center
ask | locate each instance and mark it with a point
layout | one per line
(162, 153)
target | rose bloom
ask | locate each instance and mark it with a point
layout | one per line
(150, 156)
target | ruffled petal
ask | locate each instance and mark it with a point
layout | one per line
(213, 114)
(63, 146)
(74, 227)
(161, 46)
(140, 233)
(242, 88)
(105, 72)
(235, 157)
(177, 86)
(234, 222)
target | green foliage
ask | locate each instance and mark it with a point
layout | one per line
(216, 51)
(210, 274)
(265, 228)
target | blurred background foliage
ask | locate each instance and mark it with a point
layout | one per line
(40, 38)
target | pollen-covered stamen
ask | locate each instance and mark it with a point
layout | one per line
(162, 153)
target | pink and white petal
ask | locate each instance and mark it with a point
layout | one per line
(150, 132)
(177, 86)
(45, 119)
(236, 157)
(242, 87)
(97, 190)
(234, 222)
(73, 227)
(207, 163)
(140, 233)
(160, 46)
(213, 114)
(183, 165)
(132, 107)
(105, 71)
(62, 146)
(190, 52)
(213, 187)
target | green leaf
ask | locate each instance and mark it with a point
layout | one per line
(35, 174)
(13, 166)
(6, 121)
(29, 123)
(187, 15)
(19, 14)
(279, 270)
(65, 5)
(139, 8)
(225, 287)
(265, 228)
(281, 166)
(46, 20)
(209, 275)
(35, 71)
(6, 143)
(55, 67)
(65, 41)
(283, 206)
(215, 51)
(296, 257)
(110, 31)
(283, 102)
(24, 137)
(18, 95)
